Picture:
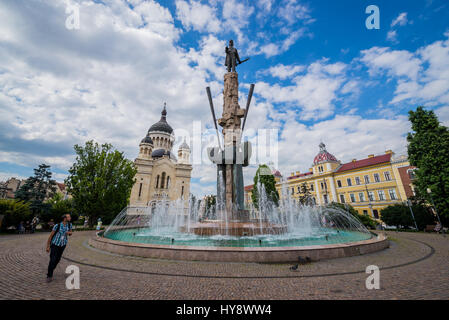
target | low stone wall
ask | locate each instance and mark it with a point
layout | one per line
(241, 254)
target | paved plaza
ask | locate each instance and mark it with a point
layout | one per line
(416, 266)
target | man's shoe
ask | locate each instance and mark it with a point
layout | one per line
(49, 279)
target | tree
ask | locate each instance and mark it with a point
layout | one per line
(100, 181)
(265, 178)
(367, 221)
(428, 150)
(399, 215)
(59, 207)
(37, 189)
(13, 211)
(304, 195)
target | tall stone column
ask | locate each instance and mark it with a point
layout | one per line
(230, 122)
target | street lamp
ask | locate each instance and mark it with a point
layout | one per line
(429, 191)
(409, 203)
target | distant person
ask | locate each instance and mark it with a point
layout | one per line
(28, 227)
(21, 228)
(57, 242)
(99, 224)
(34, 224)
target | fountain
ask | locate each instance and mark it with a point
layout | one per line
(228, 231)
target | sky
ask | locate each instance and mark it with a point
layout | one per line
(320, 76)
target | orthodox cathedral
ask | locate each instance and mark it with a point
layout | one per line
(160, 174)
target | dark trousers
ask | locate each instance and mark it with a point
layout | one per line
(55, 256)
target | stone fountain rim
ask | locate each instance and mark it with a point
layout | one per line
(98, 238)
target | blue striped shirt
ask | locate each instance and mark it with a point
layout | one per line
(60, 237)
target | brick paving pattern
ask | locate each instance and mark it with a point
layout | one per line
(416, 266)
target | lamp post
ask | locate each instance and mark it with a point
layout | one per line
(429, 191)
(409, 203)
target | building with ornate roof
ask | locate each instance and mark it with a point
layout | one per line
(160, 174)
(369, 184)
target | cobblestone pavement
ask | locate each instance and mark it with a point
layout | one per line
(416, 266)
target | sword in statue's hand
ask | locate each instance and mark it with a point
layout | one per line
(244, 60)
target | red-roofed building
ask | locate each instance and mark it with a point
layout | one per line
(369, 184)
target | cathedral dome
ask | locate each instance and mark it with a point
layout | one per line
(159, 153)
(147, 139)
(324, 156)
(162, 124)
(184, 145)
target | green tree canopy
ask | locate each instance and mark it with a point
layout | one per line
(367, 221)
(100, 181)
(428, 150)
(37, 189)
(305, 197)
(399, 215)
(13, 211)
(266, 178)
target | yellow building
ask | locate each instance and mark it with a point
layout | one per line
(369, 184)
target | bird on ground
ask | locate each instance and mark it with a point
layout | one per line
(294, 267)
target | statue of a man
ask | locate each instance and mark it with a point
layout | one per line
(232, 57)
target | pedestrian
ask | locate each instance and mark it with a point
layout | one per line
(99, 224)
(33, 224)
(21, 228)
(57, 242)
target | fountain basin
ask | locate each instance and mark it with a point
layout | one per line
(263, 254)
(233, 228)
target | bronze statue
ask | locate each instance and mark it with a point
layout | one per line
(232, 57)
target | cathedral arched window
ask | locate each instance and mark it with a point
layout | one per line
(168, 182)
(157, 181)
(163, 180)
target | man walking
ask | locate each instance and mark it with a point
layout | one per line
(57, 242)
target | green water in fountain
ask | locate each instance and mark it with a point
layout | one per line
(322, 236)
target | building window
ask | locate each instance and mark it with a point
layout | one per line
(311, 187)
(349, 182)
(371, 196)
(352, 197)
(387, 176)
(366, 179)
(376, 177)
(168, 182)
(365, 212)
(376, 214)
(342, 198)
(325, 199)
(357, 180)
(157, 181)
(163, 180)
(299, 189)
(182, 191)
(392, 193)
(293, 191)
(140, 189)
(323, 185)
(381, 194)
(362, 197)
(339, 183)
(411, 174)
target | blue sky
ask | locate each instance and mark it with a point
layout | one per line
(320, 75)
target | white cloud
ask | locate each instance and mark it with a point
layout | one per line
(283, 72)
(200, 17)
(400, 20)
(313, 92)
(392, 35)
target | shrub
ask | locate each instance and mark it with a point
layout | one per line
(13, 212)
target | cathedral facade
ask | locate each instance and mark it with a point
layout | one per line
(160, 174)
